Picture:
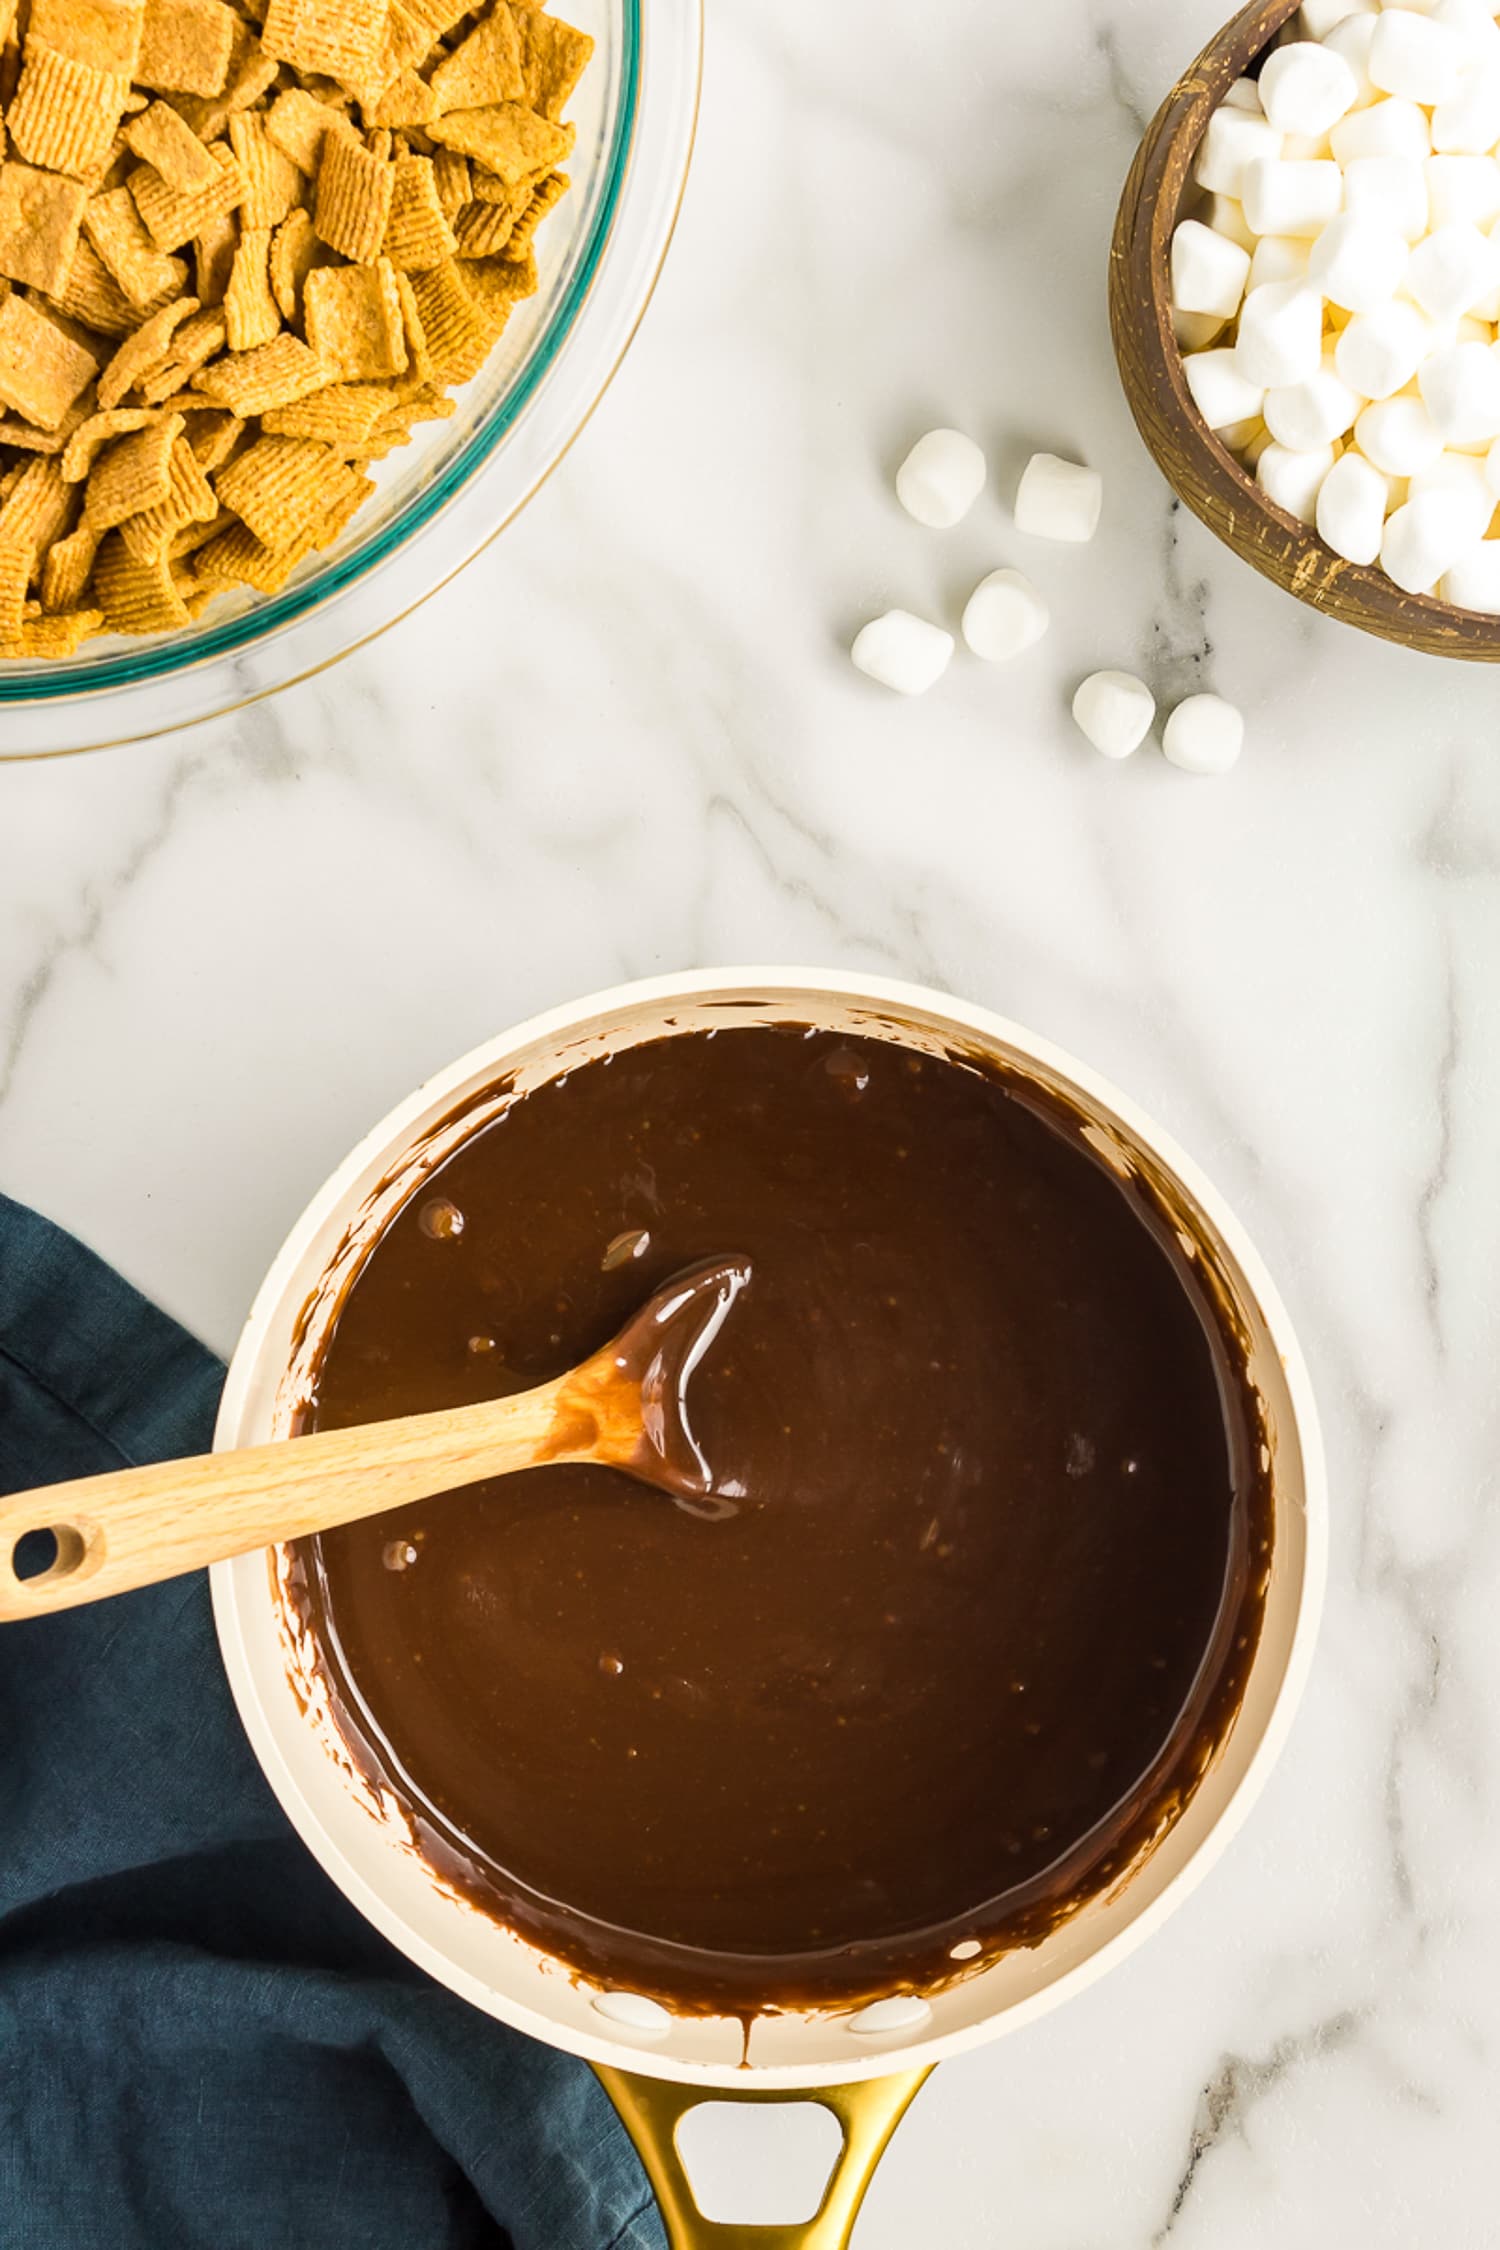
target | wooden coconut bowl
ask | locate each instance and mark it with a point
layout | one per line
(1197, 466)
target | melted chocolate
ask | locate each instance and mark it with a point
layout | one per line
(993, 1580)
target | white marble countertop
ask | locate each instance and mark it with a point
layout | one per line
(628, 739)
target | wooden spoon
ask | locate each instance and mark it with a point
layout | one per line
(625, 1408)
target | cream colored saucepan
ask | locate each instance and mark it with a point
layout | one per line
(863, 2065)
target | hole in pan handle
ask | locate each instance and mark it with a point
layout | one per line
(868, 2113)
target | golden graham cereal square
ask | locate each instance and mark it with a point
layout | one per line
(296, 122)
(273, 184)
(196, 342)
(162, 136)
(143, 351)
(556, 56)
(105, 34)
(40, 215)
(276, 486)
(485, 69)
(144, 273)
(353, 320)
(185, 46)
(508, 140)
(333, 38)
(91, 437)
(171, 218)
(250, 311)
(214, 247)
(42, 369)
(256, 382)
(65, 113)
(132, 473)
(40, 506)
(340, 416)
(354, 198)
(295, 250)
(92, 296)
(136, 596)
(67, 568)
(417, 233)
(407, 100)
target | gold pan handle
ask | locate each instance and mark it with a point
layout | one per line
(868, 2113)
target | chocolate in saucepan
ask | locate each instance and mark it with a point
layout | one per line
(987, 1577)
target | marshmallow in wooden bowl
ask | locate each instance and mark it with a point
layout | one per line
(1336, 293)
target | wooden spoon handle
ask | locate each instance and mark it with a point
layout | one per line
(136, 1526)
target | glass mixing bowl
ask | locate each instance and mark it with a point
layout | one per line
(446, 494)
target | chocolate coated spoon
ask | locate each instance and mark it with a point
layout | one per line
(625, 1408)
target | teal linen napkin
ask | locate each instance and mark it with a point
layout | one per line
(202, 2045)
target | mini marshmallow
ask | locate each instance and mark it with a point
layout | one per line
(1004, 615)
(1352, 501)
(1307, 148)
(1462, 475)
(1294, 480)
(1474, 580)
(1203, 735)
(1221, 391)
(1244, 94)
(1356, 263)
(1319, 17)
(1196, 331)
(1309, 415)
(941, 478)
(1281, 335)
(1291, 198)
(1425, 539)
(1389, 191)
(1352, 40)
(1305, 88)
(1380, 352)
(1416, 58)
(1232, 139)
(1114, 710)
(1226, 215)
(1469, 123)
(1474, 22)
(1453, 269)
(1280, 257)
(1460, 388)
(902, 652)
(1247, 440)
(1462, 188)
(1398, 435)
(1388, 128)
(1209, 273)
(1061, 499)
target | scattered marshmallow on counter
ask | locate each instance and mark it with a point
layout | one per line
(1004, 615)
(1059, 500)
(1353, 364)
(1114, 711)
(941, 478)
(1203, 735)
(902, 652)
(1062, 500)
